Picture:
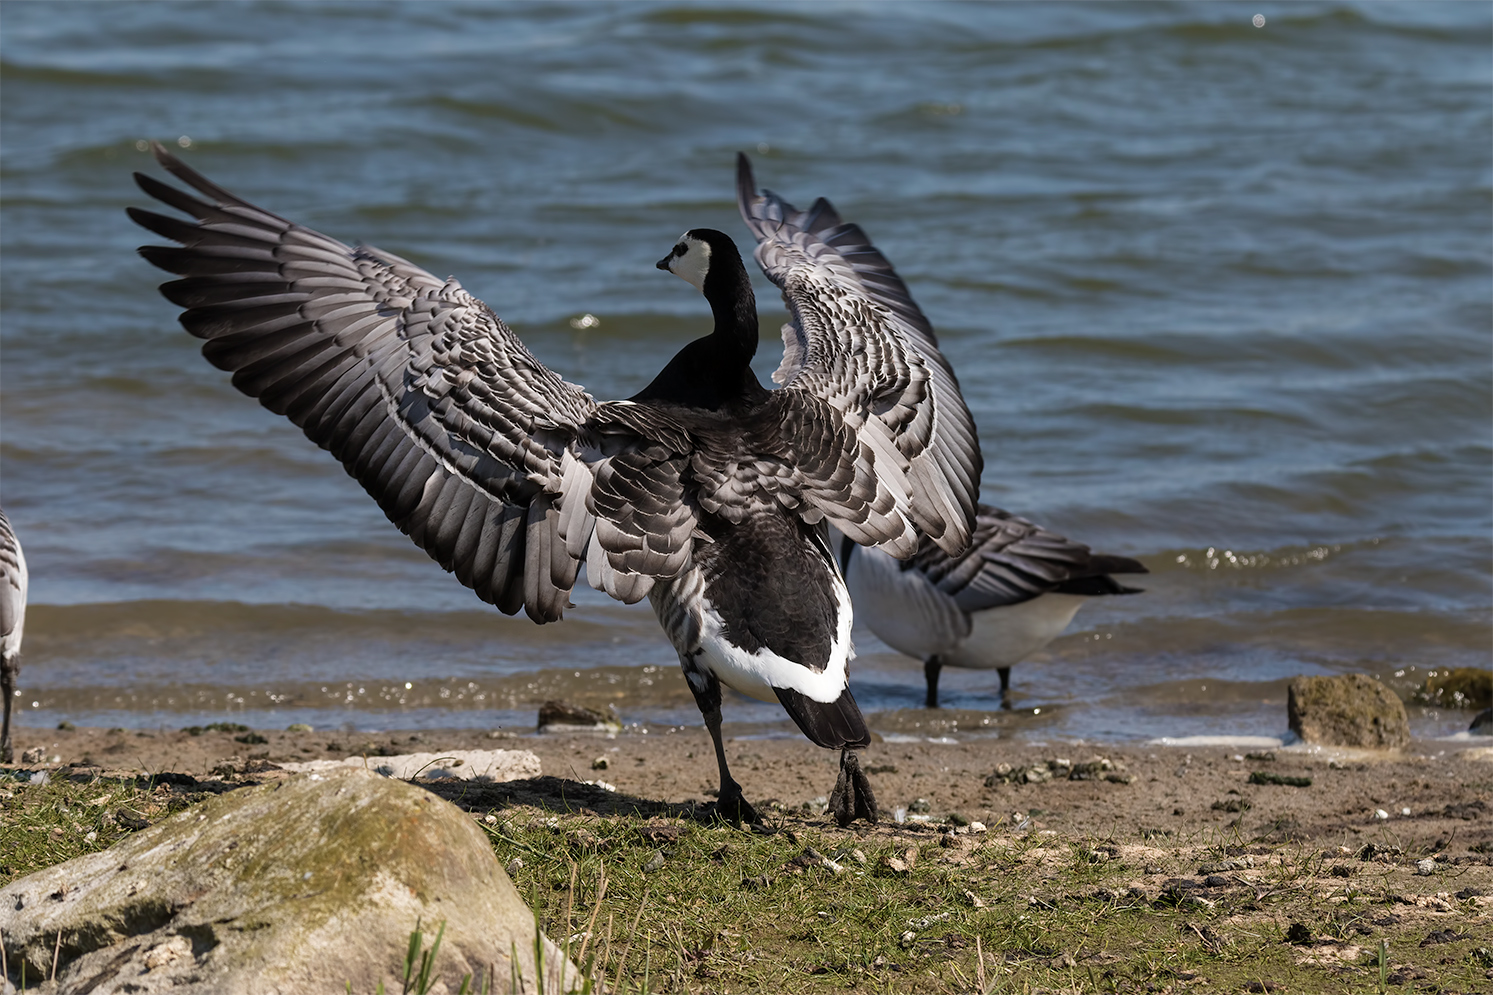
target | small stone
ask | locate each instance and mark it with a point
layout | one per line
(1380, 814)
(907, 939)
(920, 806)
(514, 866)
(66, 726)
(298, 727)
(600, 763)
(1037, 775)
(35, 755)
(977, 827)
(654, 862)
(1425, 868)
(901, 862)
(858, 856)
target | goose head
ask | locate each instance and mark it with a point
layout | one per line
(697, 251)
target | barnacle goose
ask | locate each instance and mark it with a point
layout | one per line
(704, 492)
(1008, 595)
(12, 622)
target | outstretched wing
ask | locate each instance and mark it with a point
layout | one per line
(427, 397)
(1011, 560)
(858, 342)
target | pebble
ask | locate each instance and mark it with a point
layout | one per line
(1380, 814)
(1425, 867)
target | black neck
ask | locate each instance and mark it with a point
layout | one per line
(715, 371)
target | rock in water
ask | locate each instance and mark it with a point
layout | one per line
(1349, 710)
(1482, 723)
(562, 716)
(308, 885)
(1458, 687)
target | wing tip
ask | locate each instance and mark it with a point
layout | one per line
(746, 186)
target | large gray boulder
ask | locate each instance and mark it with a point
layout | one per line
(1348, 710)
(309, 885)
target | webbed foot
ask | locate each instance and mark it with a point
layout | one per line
(852, 798)
(732, 807)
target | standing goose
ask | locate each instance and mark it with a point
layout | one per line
(1008, 595)
(12, 622)
(704, 492)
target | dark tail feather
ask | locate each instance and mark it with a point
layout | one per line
(835, 725)
(1108, 563)
(1101, 584)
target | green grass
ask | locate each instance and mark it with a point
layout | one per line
(731, 911)
(659, 904)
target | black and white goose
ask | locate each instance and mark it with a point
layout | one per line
(1013, 591)
(704, 492)
(12, 623)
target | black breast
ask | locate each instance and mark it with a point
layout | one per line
(771, 583)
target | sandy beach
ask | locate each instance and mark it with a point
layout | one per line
(1435, 791)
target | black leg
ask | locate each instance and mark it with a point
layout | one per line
(1005, 673)
(729, 804)
(8, 670)
(931, 667)
(852, 798)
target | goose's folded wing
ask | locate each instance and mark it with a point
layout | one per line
(1011, 560)
(422, 392)
(858, 342)
(12, 587)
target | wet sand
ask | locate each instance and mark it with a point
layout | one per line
(1438, 795)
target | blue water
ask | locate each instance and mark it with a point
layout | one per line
(1220, 297)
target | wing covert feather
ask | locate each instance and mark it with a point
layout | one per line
(1011, 560)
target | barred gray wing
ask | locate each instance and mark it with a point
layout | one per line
(12, 588)
(858, 342)
(1011, 560)
(421, 391)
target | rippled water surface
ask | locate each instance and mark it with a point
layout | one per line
(1219, 297)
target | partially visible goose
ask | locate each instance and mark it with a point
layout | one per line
(704, 492)
(12, 623)
(1011, 593)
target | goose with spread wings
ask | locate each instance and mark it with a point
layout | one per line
(12, 623)
(705, 492)
(1013, 591)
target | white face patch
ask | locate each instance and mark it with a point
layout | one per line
(693, 263)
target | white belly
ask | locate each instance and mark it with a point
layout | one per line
(907, 612)
(1004, 636)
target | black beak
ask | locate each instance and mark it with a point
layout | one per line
(663, 263)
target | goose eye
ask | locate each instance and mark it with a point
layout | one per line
(680, 249)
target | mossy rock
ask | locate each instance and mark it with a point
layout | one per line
(1458, 687)
(313, 884)
(1349, 710)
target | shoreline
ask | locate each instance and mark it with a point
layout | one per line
(1172, 790)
